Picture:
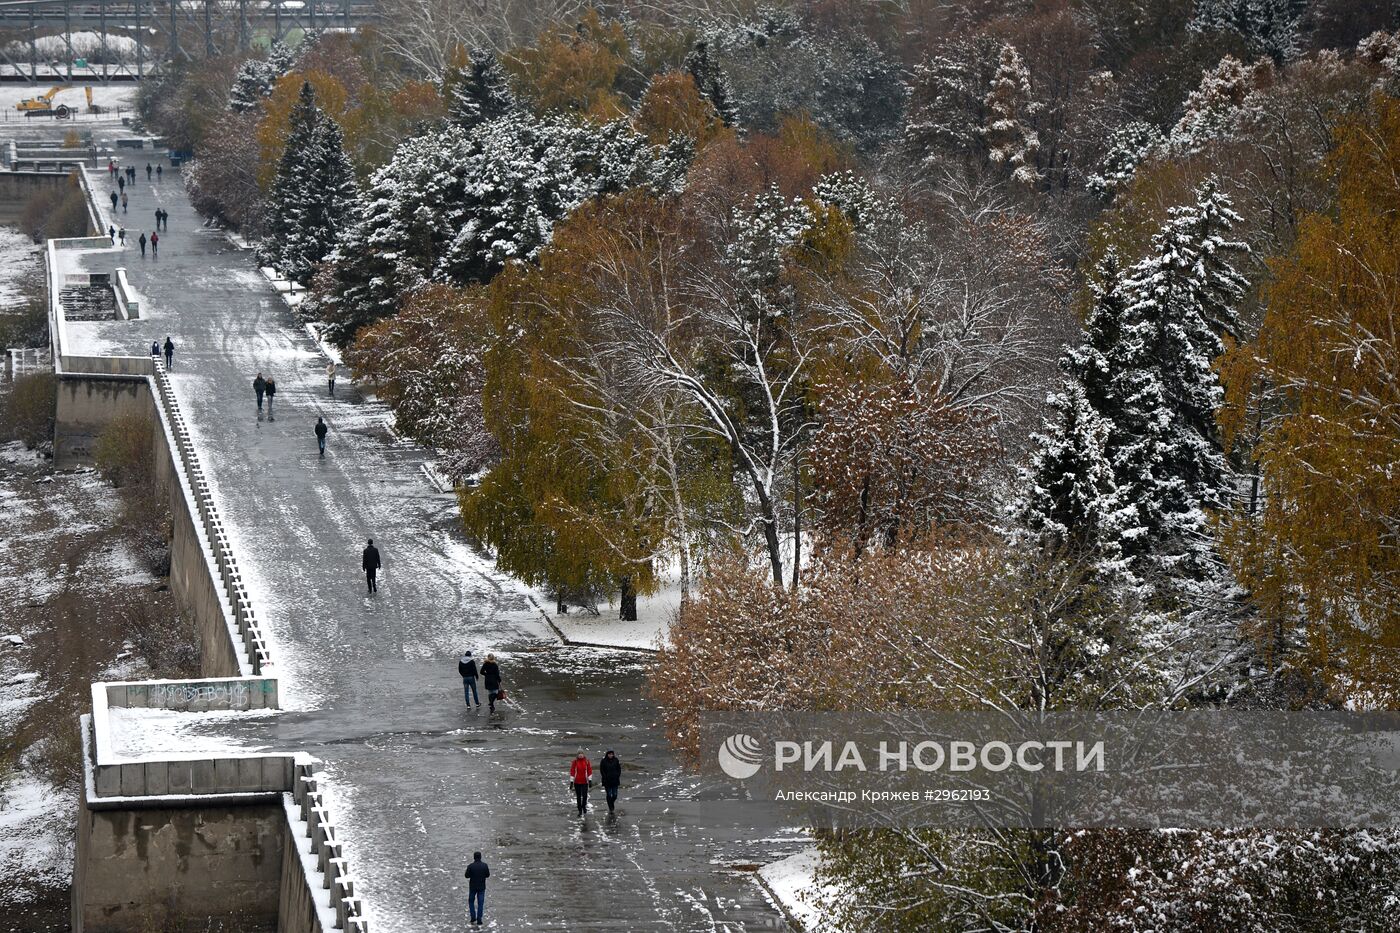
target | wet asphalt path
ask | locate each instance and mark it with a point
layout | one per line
(417, 781)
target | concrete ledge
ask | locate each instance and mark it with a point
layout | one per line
(127, 305)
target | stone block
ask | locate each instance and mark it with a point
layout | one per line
(107, 780)
(226, 775)
(133, 780)
(157, 778)
(203, 778)
(116, 696)
(179, 777)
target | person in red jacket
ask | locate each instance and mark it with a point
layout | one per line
(581, 773)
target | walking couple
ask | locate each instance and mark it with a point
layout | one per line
(490, 678)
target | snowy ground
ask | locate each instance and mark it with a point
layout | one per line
(655, 613)
(792, 881)
(17, 259)
(72, 601)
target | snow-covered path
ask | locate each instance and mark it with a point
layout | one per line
(417, 782)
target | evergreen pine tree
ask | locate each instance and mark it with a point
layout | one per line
(1010, 139)
(1270, 27)
(312, 195)
(251, 85)
(710, 79)
(1184, 296)
(477, 91)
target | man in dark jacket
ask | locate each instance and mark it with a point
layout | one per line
(369, 560)
(610, 773)
(477, 873)
(491, 680)
(466, 666)
(169, 353)
(260, 386)
(321, 435)
(270, 387)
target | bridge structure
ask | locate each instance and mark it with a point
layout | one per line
(129, 40)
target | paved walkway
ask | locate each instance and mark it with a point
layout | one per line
(417, 782)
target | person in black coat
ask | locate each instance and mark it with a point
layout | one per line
(476, 874)
(321, 430)
(491, 680)
(369, 560)
(610, 773)
(466, 666)
(259, 387)
(270, 387)
(169, 353)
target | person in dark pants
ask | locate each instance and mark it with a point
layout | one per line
(155, 350)
(369, 560)
(121, 184)
(155, 245)
(330, 376)
(466, 666)
(321, 435)
(121, 236)
(169, 352)
(491, 680)
(112, 232)
(142, 241)
(114, 200)
(270, 388)
(158, 213)
(159, 172)
(476, 875)
(610, 774)
(581, 775)
(149, 170)
(260, 386)
(123, 202)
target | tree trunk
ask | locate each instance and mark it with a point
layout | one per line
(796, 525)
(628, 600)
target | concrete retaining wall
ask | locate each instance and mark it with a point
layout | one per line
(179, 868)
(16, 188)
(127, 305)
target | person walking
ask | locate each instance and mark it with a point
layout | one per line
(476, 875)
(159, 172)
(148, 171)
(131, 174)
(121, 184)
(155, 245)
(610, 774)
(371, 563)
(112, 232)
(491, 680)
(169, 353)
(581, 775)
(123, 202)
(155, 350)
(143, 245)
(259, 387)
(121, 236)
(466, 666)
(270, 387)
(112, 168)
(115, 198)
(330, 376)
(321, 436)
(165, 220)
(157, 218)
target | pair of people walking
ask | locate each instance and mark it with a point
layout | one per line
(155, 244)
(169, 351)
(162, 219)
(265, 388)
(581, 778)
(490, 679)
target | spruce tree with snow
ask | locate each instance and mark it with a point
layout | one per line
(253, 83)
(477, 91)
(1128, 146)
(1269, 27)
(1011, 141)
(711, 81)
(455, 206)
(1073, 504)
(1184, 299)
(312, 195)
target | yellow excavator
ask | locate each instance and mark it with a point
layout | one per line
(43, 106)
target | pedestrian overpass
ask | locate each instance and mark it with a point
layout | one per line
(43, 41)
